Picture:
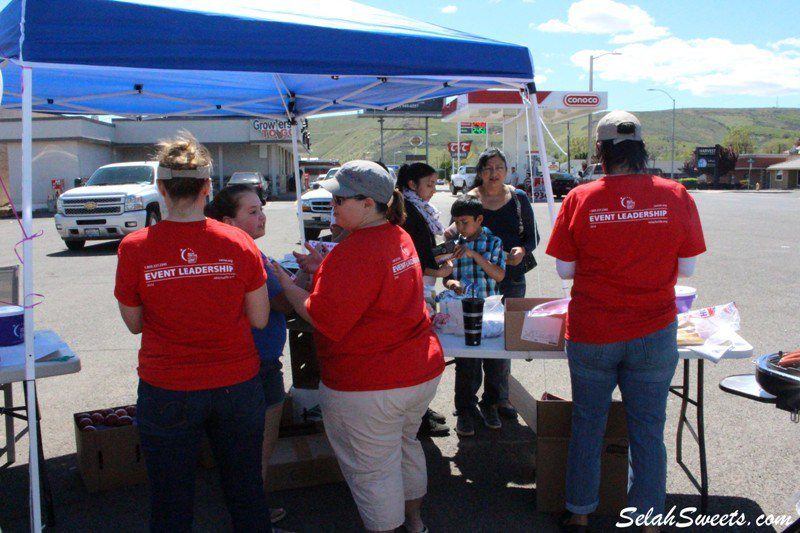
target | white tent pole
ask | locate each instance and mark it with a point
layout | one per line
(27, 285)
(298, 182)
(532, 102)
(458, 140)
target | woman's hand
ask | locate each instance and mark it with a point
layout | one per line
(283, 277)
(445, 269)
(309, 262)
(515, 256)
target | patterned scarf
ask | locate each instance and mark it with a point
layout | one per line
(428, 212)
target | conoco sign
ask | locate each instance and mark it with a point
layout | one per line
(581, 100)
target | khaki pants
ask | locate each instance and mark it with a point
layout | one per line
(374, 436)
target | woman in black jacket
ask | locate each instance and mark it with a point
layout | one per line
(417, 182)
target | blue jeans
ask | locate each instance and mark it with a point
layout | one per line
(509, 288)
(643, 369)
(171, 425)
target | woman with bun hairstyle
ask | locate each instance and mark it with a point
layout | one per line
(380, 361)
(239, 205)
(624, 239)
(193, 288)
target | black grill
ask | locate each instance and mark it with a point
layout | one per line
(100, 210)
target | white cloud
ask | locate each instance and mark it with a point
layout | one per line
(449, 10)
(704, 67)
(539, 78)
(790, 42)
(625, 23)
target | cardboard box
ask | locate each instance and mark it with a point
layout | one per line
(110, 457)
(303, 354)
(302, 461)
(516, 309)
(551, 419)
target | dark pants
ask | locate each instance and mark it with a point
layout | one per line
(469, 375)
(171, 427)
(509, 288)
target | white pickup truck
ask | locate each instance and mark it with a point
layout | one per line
(117, 200)
(462, 180)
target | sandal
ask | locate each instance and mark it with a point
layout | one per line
(276, 515)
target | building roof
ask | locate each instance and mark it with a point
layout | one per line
(792, 164)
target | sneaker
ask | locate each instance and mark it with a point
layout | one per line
(465, 425)
(507, 411)
(433, 415)
(432, 428)
(276, 514)
(491, 418)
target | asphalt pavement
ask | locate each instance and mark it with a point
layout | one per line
(484, 483)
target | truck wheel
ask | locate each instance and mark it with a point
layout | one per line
(312, 234)
(153, 216)
(453, 189)
(75, 244)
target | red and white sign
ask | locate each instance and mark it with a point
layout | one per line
(57, 184)
(581, 100)
(270, 130)
(459, 149)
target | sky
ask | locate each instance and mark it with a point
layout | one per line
(703, 53)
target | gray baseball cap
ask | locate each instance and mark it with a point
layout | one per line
(619, 126)
(364, 178)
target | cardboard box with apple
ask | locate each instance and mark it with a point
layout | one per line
(108, 449)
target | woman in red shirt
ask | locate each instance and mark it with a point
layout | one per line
(380, 361)
(193, 287)
(624, 239)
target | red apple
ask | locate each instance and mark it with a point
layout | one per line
(89, 428)
(82, 415)
(112, 419)
(121, 412)
(107, 412)
(131, 409)
(98, 418)
(83, 422)
(125, 420)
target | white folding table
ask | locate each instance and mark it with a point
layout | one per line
(495, 349)
(12, 370)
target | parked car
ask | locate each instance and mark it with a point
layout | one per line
(317, 206)
(562, 183)
(256, 180)
(592, 172)
(462, 180)
(315, 184)
(117, 200)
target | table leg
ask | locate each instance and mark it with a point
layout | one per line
(44, 479)
(698, 432)
(701, 437)
(11, 443)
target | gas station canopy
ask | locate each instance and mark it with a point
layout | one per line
(500, 106)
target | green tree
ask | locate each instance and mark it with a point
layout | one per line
(740, 139)
(577, 147)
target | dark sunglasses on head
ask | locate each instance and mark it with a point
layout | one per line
(339, 200)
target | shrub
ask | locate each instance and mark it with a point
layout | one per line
(689, 183)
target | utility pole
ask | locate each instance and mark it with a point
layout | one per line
(591, 88)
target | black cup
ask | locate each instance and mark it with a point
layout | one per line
(473, 320)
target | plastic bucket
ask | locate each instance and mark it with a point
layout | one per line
(684, 297)
(11, 325)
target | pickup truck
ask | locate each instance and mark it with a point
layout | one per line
(462, 180)
(317, 206)
(117, 200)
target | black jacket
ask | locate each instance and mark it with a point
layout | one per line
(421, 234)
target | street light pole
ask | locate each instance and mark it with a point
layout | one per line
(591, 88)
(672, 163)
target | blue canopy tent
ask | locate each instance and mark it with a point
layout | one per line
(255, 58)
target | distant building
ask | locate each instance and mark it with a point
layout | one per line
(753, 167)
(784, 175)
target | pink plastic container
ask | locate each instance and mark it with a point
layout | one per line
(684, 297)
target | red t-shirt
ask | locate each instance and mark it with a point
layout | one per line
(626, 234)
(373, 331)
(191, 278)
